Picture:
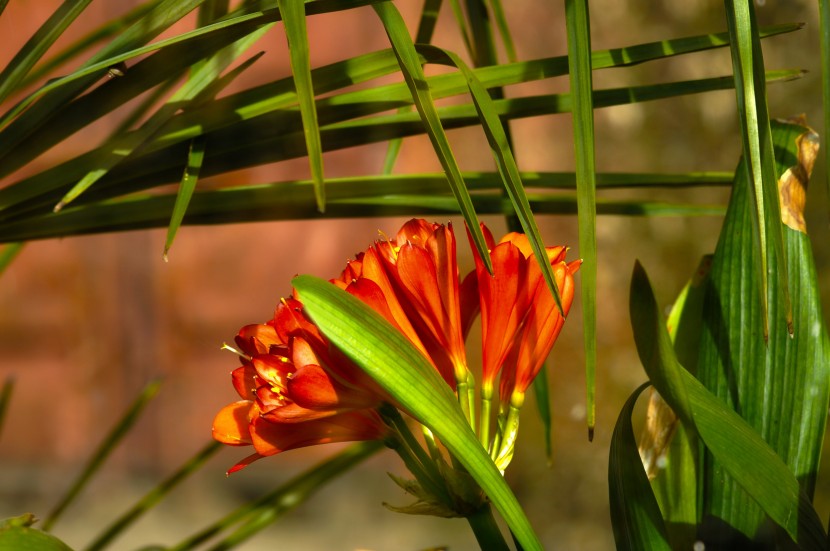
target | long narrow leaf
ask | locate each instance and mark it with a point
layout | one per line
(118, 432)
(153, 497)
(579, 62)
(37, 45)
(397, 366)
(293, 16)
(415, 79)
(8, 253)
(186, 188)
(5, 399)
(748, 67)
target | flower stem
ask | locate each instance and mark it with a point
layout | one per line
(484, 421)
(486, 530)
(419, 463)
(508, 440)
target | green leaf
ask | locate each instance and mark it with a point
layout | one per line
(8, 253)
(204, 82)
(756, 136)
(186, 188)
(787, 377)
(37, 45)
(293, 16)
(17, 534)
(579, 62)
(397, 366)
(107, 446)
(415, 79)
(635, 515)
(736, 445)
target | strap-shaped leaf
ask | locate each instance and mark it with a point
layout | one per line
(748, 67)
(579, 64)
(635, 515)
(787, 377)
(397, 366)
(293, 18)
(736, 445)
(186, 188)
(415, 79)
(37, 45)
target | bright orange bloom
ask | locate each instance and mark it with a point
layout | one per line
(297, 390)
(520, 320)
(422, 269)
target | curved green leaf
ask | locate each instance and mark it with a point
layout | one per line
(742, 452)
(635, 515)
(397, 366)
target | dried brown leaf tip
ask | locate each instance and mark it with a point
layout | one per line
(792, 186)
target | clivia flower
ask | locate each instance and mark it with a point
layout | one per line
(298, 390)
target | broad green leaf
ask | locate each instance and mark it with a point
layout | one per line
(37, 45)
(579, 63)
(186, 188)
(415, 79)
(737, 446)
(17, 534)
(153, 497)
(258, 514)
(397, 366)
(107, 446)
(748, 68)
(635, 515)
(787, 377)
(293, 16)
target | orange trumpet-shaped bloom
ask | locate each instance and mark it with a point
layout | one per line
(520, 320)
(422, 269)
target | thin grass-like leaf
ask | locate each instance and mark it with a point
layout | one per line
(8, 253)
(293, 16)
(579, 61)
(273, 505)
(107, 446)
(400, 369)
(5, 399)
(64, 90)
(635, 515)
(415, 79)
(743, 453)
(504, 30)
(186, 188)
(748, 67)
(204, 83)
(37, 45)
(152, 498)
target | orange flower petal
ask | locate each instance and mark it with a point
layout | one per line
(230, 426)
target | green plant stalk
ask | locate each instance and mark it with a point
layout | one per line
(413, 455)
(121, 429)
(486, 531)
(5, 399)
(510, 432)
(153, 497)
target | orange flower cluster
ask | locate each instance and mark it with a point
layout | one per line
(298, 390)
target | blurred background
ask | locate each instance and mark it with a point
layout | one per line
(86, 322)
